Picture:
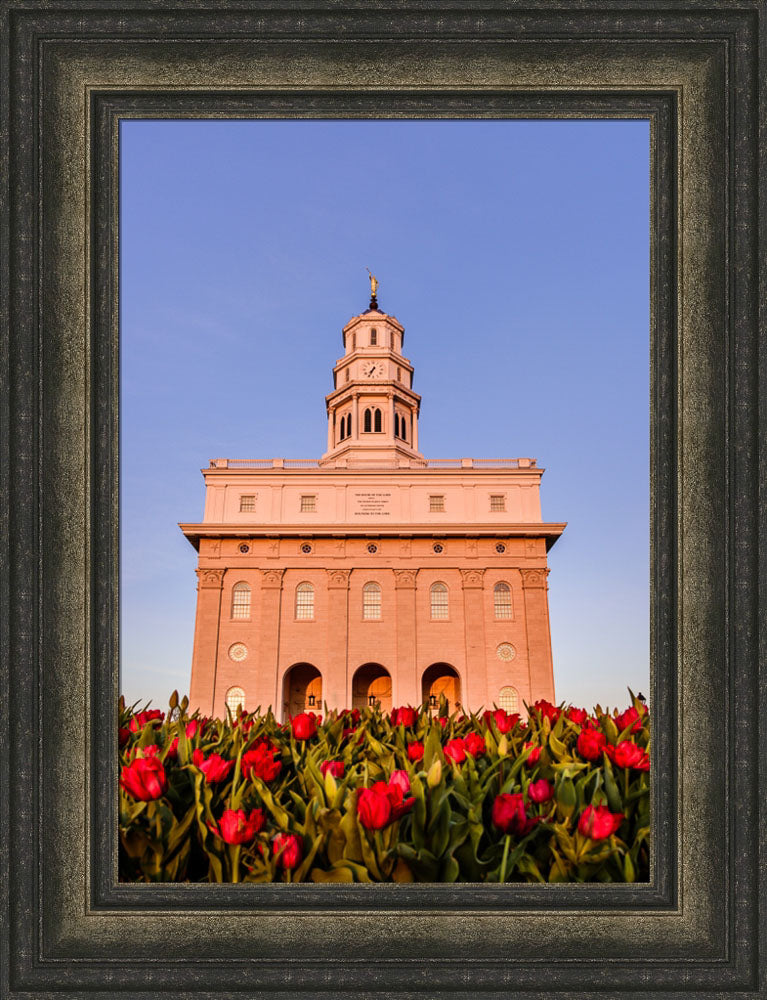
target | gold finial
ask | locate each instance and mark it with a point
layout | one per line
(374, 283)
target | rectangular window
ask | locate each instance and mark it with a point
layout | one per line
(497, 501)
(436, 503)
(373, 338)
(308, 503)
(247, 503)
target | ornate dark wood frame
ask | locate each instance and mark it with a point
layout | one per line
(72, 69)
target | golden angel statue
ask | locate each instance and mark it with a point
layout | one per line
(374, 283)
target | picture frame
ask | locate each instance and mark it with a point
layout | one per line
(71, 72)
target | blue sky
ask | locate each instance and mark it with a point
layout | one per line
(516, 254)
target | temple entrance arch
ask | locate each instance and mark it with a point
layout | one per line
(301, 690)
(371, 681)
(438, 679)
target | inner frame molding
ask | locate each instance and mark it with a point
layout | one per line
(72, 74)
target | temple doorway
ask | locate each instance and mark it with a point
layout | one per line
(371, 685)
(301, 690)
(439, 679)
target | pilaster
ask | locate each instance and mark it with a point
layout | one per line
(407, 688)
(202, 685)
(475, 681)
(336, 685)
(535, 589)
(268, 683)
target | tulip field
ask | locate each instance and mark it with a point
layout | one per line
(412, 795)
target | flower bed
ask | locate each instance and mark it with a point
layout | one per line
(363, 796)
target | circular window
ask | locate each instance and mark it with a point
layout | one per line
(306, 548)
(244, 548)
(500, 548)
(238, 651)
(506, 651)
(439, 548)
(372, 548)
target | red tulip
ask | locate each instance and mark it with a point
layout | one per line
(629, 716)
(261, 762)
(193, 725)
(535, 754)
(304, 726)
(540, 791)
(399, 779)
(374, 808)
(288, 850)
(474, 744)
(124, 735)
(509, 814)
(590, 743)
(144, 778)
(503, 721)
(598, 823)
(628, 754)
(336, 768)
(142, 718)
(215, 768)
(577, 715)
(354, 715)
(547, 710)
(415, 751)
(236, 828)
(442, 721)
(455, 750)
(405, 716)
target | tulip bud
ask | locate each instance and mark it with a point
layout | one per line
(503, 747)
(330, 786)
(173, 700)
(434, 776)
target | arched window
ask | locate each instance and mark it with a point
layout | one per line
(373, 337)
(348, 425)
(240, 600)
(502, 600)
(354, 341)
(342, 435)
(508, 699)
(403, 427)
(235, 698)
(371, 601)
(347, 375)
(438, 601)
(396, 425)
(377, 421)
(305, 601)
(368, 425)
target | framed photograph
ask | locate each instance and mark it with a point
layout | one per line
(72, 77)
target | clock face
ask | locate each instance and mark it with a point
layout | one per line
(373, 369)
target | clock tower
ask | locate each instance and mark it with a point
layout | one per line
(373, 411)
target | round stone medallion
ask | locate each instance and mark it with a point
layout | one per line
(238, 651)
(506, 651)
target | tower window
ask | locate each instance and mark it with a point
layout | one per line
(368, 424)
(348, 425)
(396, 425)
(508, 699)
(373, 337)
(305, 602)
(438, 596)
(346, 375)
(247, 502)
(240, 600)
(354, 341)
(497, 501)
(371, 602)
(377, 419)
(235, 699)
(308, 503)
(399, 374)
(436, 503)
(341, 434)
(502, 600)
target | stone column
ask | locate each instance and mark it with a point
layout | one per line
(206, 629)
(268, 683)
(535, 590)
(414, 422)
(336, 683)
(331, 429)
(406, 688)
(475, 680)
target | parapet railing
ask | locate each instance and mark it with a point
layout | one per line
(431, 463)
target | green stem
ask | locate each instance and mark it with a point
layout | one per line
(625, 784)
(505, 858)
(234, 858)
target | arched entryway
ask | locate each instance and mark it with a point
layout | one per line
(438, 679)
(301, 690)
(371, 681)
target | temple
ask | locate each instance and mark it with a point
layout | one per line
(372, 574)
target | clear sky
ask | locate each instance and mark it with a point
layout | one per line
(516, 255)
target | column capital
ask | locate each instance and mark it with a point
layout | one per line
(338, 579)
(210, 579)
(271, 579)
(404, 579)
(473, 579)
(534, 579)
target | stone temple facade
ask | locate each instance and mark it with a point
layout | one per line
(372, 574)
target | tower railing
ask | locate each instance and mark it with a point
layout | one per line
(430, 463)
